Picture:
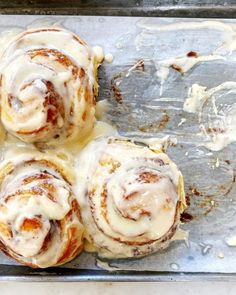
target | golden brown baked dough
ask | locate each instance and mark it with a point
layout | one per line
(40, 222)
(131, 198)
(48, 86)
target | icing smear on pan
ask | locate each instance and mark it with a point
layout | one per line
(224, 132)
(186, 62)
(182, 64)
(222, 123)
(227, 46)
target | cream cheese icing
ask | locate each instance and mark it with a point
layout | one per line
(35, 196)
(48, 85)
(123, 225)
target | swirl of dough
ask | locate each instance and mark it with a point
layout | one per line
(131, 198)
(40, 221)
(48, 86)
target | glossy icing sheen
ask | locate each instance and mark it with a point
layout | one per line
(39, 217)
(130, 197)
(48, 85)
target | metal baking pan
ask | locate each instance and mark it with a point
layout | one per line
(167, 8)
(137, 110)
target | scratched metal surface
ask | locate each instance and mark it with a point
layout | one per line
(167, 8)
(139, 110)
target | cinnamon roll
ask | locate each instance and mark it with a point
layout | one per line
(48, 86)
(131, 198)
(40, 221)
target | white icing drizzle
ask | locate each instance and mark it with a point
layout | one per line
(162, 73)
(217, 163)
(183, 64)
(158, 198)
(231, 241)
(109, 58)
(198, 95)
(157, 143)
(105, 265)
(18, 68)
(102, 107)
(44, 38)
(25, 196)
(131, 69)
(101, 129)
(25, 79)
(98, 51)
(182, 121)
(6, 36)
(152, 27)
(221, 255)
(187, 25)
